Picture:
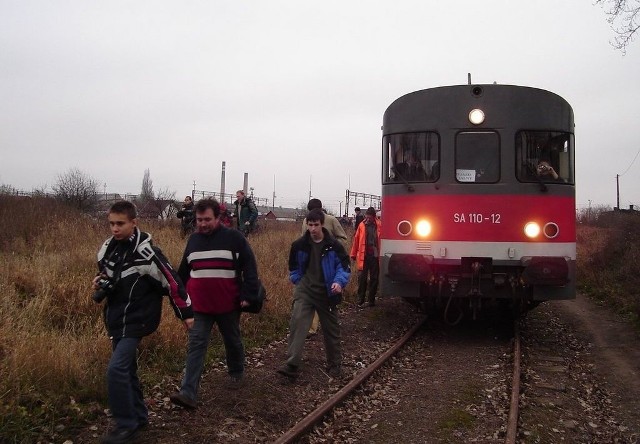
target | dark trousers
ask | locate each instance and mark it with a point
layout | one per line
(229, 326)
(125, 393)
(370, 270)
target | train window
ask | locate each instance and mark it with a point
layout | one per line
(478, 157)
(544, 156)
(411, 157)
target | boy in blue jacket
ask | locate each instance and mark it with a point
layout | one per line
(319, 268)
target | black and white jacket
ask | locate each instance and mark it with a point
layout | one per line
(141, 275)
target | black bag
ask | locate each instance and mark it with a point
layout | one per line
(256, 303)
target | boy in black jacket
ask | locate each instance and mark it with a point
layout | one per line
(133, 276)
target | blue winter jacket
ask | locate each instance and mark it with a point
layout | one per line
(335, 263)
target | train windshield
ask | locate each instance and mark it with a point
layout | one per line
(411, 157)
(545, 156)
(477, 157)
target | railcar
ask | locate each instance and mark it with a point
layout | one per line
(478, 198)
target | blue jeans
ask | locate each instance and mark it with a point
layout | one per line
(229, 327)
(125, 393)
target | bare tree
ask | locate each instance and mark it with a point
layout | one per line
(146, 194)
(165, 199)
(77, 189)
(624, 18)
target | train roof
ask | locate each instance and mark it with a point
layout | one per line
(448, 106)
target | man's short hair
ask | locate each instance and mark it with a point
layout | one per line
(357, 209)
(124, 207)
(241, 192)
(371, 211)
(204, 204)
(316, 215)
(314, 203)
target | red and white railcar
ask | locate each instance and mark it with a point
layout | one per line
(478, 196)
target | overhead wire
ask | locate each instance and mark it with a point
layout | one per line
(631, 164)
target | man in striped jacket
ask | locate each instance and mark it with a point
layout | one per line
(219, 270)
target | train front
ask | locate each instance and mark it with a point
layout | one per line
(478, 196)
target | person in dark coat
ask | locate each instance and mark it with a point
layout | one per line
(133, 275)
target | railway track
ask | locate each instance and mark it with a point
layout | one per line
(303, 427)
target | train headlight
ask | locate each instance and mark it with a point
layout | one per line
(404, 228)
(532, 229)
(476, 116)
(551, 230)
(423, 228)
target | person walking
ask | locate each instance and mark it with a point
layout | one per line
(188, 217)
(335, 229)
(319, 269)
(133, 275)
(365, 250)
(219, 270)
(359, 218)
(246, 213)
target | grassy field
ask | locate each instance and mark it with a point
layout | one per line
(54, 349)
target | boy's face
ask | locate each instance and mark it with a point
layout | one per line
(121, 226)
(315, 230)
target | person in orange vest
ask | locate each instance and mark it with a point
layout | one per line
(365, 250)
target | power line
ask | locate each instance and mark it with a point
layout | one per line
(631, 164)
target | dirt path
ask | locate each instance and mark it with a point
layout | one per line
(615, 351)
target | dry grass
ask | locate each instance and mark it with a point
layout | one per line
(54, 350)
(609, 263)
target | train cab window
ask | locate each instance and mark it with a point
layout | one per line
(545, 156)
(477, 157)
(411, 157)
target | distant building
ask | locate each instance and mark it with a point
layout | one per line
(280, 214)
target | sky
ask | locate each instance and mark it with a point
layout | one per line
(291, 93)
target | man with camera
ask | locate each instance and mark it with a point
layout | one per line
(133, 276)
(546, 172)
(219, 270)
(188, 216)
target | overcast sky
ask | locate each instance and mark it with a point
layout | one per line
(290, 92)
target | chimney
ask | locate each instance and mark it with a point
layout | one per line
(222, 180)
(245, 187)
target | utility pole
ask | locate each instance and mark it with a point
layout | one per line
(618, 191)
(273, 201)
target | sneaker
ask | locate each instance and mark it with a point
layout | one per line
(290, 371)
(335, 371)
(183, 401)
(119, 436)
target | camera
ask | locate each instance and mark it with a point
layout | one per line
(106, 286)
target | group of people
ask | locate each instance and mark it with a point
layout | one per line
(246, 214)
(218, 277)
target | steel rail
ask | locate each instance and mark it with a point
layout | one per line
(315, 416)
(512, 423)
